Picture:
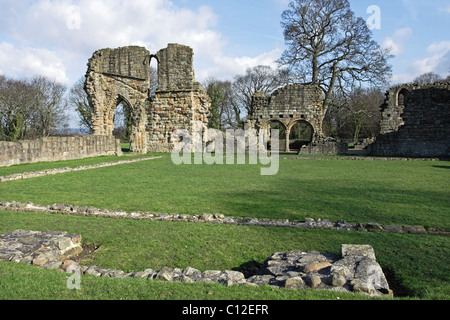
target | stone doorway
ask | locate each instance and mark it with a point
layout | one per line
(301, 133)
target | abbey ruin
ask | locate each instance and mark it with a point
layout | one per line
(122, 75)
(415, 122)
(415, 118)
(297, 111)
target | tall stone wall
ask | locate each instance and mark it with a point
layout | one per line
(122, 75)
(115, 76)
(175, 68)
(57, 149)
(415, 122)
(179, 102)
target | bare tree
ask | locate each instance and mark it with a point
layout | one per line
(16, 105)
(31, 108)
(355, 114)
(331, 46)
(50, 107)
(78, 101)
(260, 78)
(225, 112)
(428, 78)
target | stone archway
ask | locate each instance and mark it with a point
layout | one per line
(277, 124)
(113, 76)
(402, 97)
(122, 119)
(289, 105)
(301, 133)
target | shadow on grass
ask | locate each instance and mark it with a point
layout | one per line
(442, 167)
(250, 268)
(396, 285)
(327, 199)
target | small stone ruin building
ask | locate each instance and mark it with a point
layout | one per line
(297, 112)
(415, 122)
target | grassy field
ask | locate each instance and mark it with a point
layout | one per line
(357, 191)
(415, 193)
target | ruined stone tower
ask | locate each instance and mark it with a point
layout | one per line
(415, 122)
(179, 101)
(123, 75)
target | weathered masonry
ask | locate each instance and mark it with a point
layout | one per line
(57, 149)
(415, 122)
(297, 111)
(122, 75)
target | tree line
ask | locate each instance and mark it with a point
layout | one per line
(326, 45)
(31, 108)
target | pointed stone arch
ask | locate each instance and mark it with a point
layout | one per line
(179, 102)
(114, 76)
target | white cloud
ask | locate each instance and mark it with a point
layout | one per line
(437, 59)
(71, 39)
(445, 10)
(28, 62)
(223, 67)
(398, 40)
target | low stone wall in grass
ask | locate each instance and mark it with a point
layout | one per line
(57, 149)
(355, 270)
(307, 223)
(35, 174)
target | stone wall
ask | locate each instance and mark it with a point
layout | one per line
(324, 147)
(57, 149)
(123, 75)
(291, 105)
(308, 223)
(175, 68)
(119, 76)
(179, 102)
(355, 270)
(415, 122)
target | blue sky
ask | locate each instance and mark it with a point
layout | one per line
(57, 37)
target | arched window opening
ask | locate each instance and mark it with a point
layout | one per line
(122, 122)
(154, 64)
(277, 125)
(402, 97)
(301, 134)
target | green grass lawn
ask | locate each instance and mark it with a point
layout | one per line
(415, 193)
(357, 191)
(420, 263)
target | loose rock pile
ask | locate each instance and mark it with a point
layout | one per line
(43, 249)
(355, 270)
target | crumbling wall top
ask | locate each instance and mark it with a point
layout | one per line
(176, 68)
(130, 62)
